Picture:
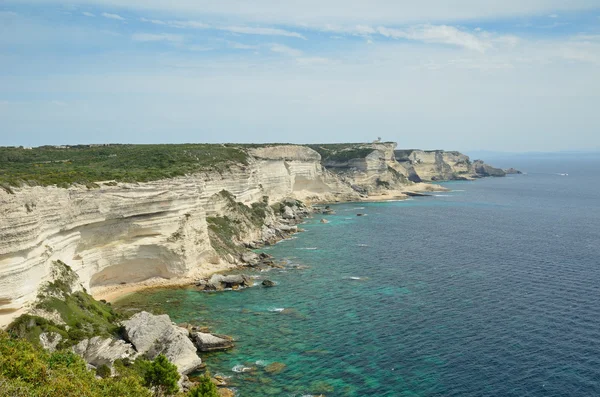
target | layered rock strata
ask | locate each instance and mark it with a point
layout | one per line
(439, 165)
(123, 233)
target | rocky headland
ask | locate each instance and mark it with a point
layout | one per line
(119, 236)
(63, 244)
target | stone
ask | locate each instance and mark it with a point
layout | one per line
(249, 257)
(219, 282)
(288, 213)
(275, 368)
(152, 335)
(50, 340)
(223, 392)
(268, 283)
(324, 221)
(99, 351)
(206, 342)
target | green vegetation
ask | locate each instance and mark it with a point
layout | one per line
(85, 164)
(162, 376)
(224, 231)
(83, 316)
(27, 371)
(341, 152)
(205, 388)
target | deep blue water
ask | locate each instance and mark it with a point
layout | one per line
(492, 289)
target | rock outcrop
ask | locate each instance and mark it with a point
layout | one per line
(220, 282)
(206, 342)
(50, 340)
(439, 165)
(153, 335)
(99, 351)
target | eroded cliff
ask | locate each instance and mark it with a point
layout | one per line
(440, 165)
(117, 232)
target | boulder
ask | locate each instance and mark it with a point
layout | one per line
(153, 335)
(206, 342)
(288, 213)
(249, 257)
(99, 351)
(50, 340)
(268, 283)
(324, 221)
(219, 282)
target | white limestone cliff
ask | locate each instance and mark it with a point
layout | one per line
(124, 233)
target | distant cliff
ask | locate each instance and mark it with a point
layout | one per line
(439, 165)
(128, 213)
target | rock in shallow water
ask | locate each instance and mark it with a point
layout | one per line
(268, 283)
(206, 342)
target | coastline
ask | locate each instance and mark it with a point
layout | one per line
(112, 293)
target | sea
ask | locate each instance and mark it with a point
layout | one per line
(489, 289)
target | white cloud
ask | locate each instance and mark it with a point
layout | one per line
(261, 31)
(88, 14)
(149, 37)
(59, 103)
(553, 16)
(441, 34)
(154, 21)
(232, 29)
(240, 46)
(113, 16)
(345, 12)
(313, 61)
(7, 14)
(285, 50)
(188, 24)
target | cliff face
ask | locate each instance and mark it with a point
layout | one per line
(367, 168)
(129, 232)
(439, 165)
(133, 232)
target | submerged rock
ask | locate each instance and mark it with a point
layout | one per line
(153, 335)
(99, 351)
(206, 342)
(268, 283)
(275, 368)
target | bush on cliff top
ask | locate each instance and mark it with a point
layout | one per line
(85, 164)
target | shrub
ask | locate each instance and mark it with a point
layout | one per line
(205, 388)
(162, 375)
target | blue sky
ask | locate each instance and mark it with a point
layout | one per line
(511, 76)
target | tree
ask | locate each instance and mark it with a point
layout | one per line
(162, 375)
(205, 388)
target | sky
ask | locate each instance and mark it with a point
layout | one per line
(511, 75)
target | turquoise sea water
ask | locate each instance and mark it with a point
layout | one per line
(492, 289)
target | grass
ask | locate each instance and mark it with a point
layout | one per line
(340, 152)
(85, 164)
(84, 317)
